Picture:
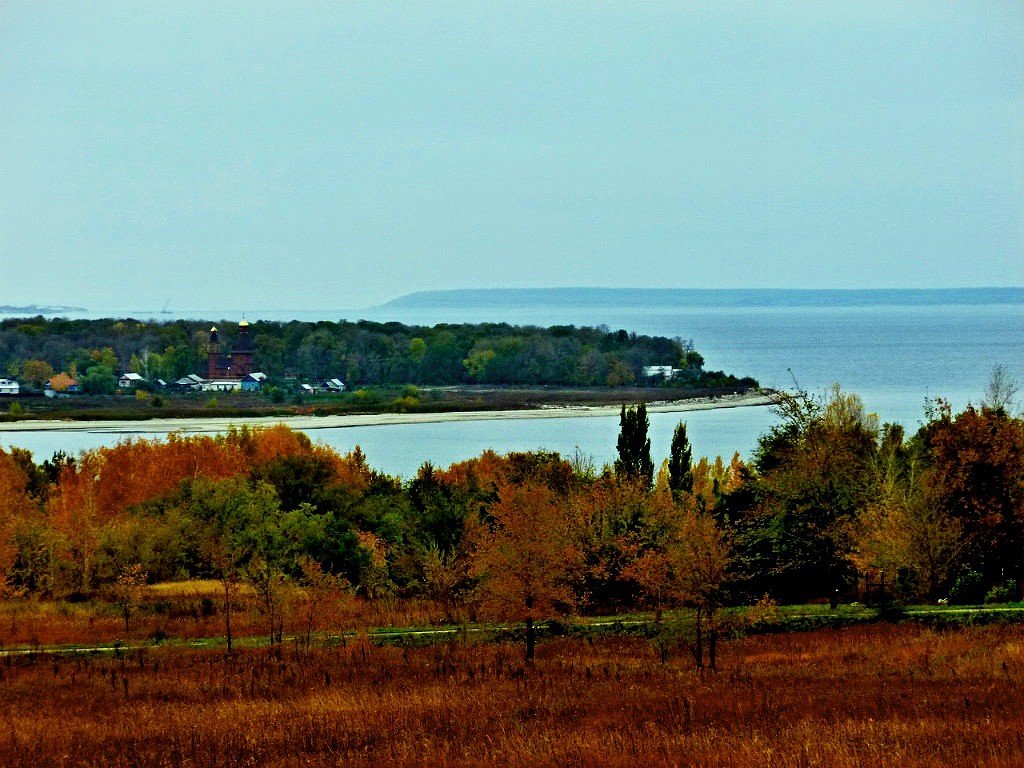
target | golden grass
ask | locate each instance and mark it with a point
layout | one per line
(877, 695)
(191, 589)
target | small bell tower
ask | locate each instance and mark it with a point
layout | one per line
(212, 354)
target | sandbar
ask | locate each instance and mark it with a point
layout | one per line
(307, 423)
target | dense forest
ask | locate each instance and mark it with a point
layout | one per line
(359, 353)
(832, 505)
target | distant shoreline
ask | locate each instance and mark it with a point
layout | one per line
(706, 297)
(308, 423)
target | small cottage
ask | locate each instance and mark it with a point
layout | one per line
(130, 380)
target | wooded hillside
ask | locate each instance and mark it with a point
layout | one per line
(360, 353)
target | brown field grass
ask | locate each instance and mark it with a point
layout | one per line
(191, 610)
(878, 695)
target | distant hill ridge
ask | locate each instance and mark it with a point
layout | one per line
(706, 297)
(37, 309)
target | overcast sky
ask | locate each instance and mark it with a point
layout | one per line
(296, 154)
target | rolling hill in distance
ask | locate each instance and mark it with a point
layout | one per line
(704, 297)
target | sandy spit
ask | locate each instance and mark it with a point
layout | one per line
(306, 423)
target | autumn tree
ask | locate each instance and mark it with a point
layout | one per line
(524, 558)
(634, 447)
(36, 372)
(976, 459)
(127, 591)
(795, 517)
(324, 593)
(61, 381)
(688, 567)
(611, 523)
(905, 531)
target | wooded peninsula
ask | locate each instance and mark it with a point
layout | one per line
(338, 367)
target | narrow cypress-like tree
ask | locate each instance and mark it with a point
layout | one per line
(634, 447)
(680, 462)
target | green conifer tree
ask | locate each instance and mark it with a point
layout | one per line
(634, 447)
(680, 462)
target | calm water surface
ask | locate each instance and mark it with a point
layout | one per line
(893, 356)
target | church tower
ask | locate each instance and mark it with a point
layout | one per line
(242, 352)
(212, 354)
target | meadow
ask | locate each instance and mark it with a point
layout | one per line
(879, 694)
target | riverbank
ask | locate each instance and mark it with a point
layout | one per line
(312, 422)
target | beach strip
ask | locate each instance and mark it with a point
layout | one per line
(307, 423)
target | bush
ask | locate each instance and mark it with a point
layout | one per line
(15, 409)
(364, 396)
(968, 589)
(404, 404)
(1003, 593)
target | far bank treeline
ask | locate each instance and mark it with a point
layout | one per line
(360, 353)
(831, 504)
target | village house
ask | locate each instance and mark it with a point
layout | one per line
(666, 372)
(9, 387)
(185, 383)
(253, 382)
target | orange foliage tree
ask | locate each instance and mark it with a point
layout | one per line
(687, 566)
(977, 462)
(524, 558)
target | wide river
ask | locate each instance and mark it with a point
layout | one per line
(894, 357)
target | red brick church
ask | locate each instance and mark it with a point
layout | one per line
(234, 364)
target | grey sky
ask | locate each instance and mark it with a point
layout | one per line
(290, 154)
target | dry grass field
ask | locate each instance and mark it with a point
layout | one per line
(189, 611)
(876, 695)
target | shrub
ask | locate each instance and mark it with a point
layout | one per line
(968, 589)
(1003, 593)
(365, 396)
(404, 404)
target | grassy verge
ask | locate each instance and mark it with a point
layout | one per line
(733, 622)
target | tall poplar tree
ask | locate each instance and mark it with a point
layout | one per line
(634, 447)
(680, 462)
